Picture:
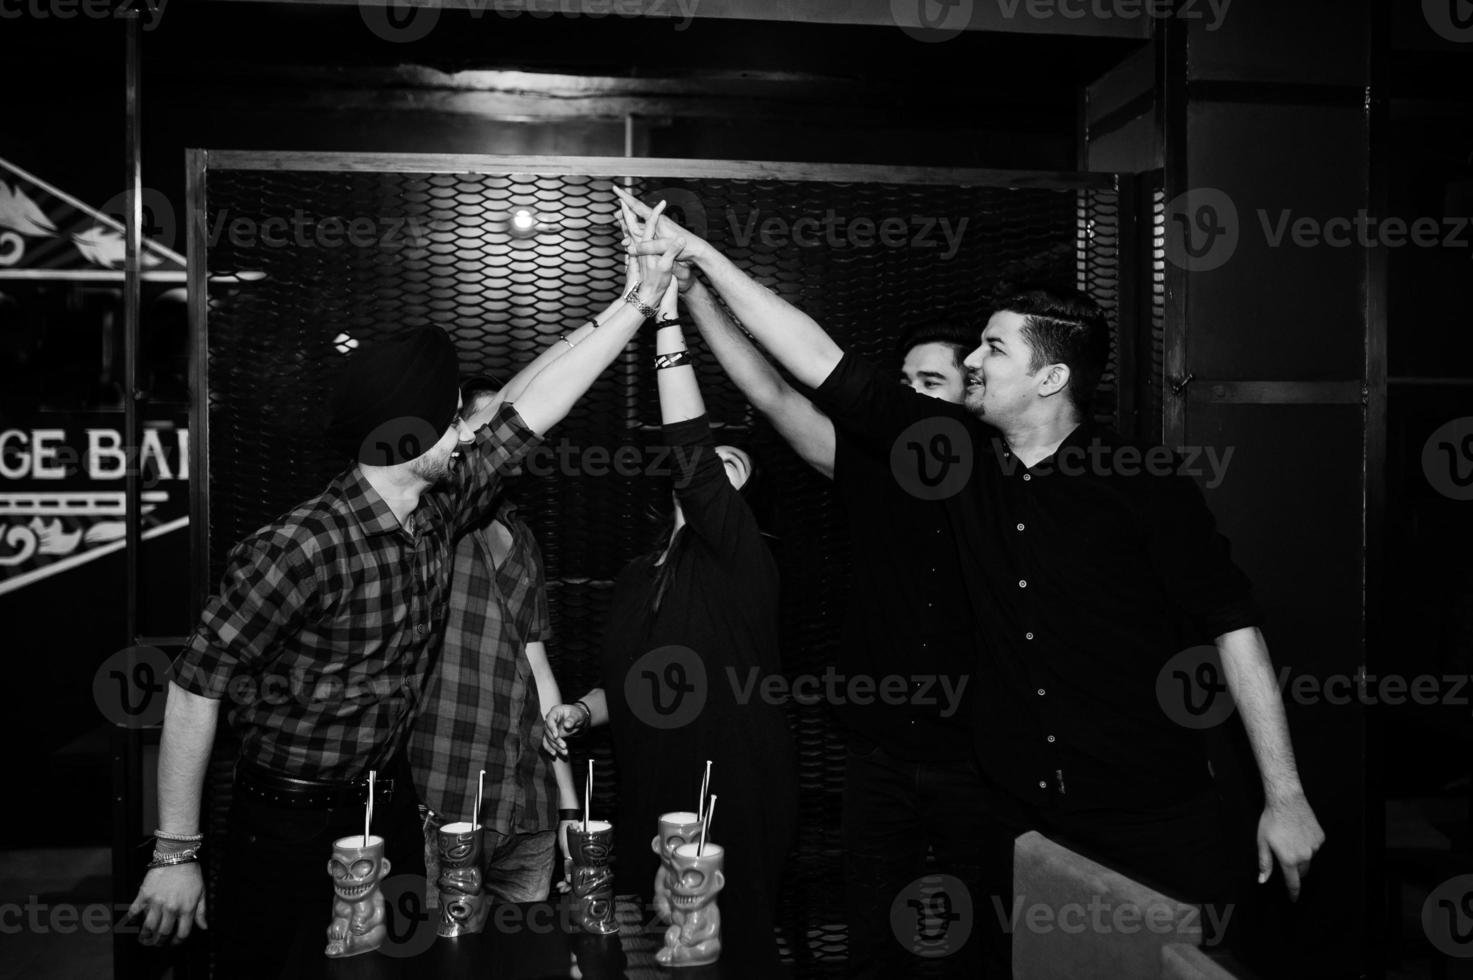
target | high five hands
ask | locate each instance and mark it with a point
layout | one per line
(649, 267)
(640, 220)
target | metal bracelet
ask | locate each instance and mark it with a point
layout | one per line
(181, 838)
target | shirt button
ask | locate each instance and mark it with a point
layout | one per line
(1040, 692)
(1050, 738)
(420, 629)
(1027, 477)
(1022, 583)
(1042, 784)
(1027, 636)
(1020, 527)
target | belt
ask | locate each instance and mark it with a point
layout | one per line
(307, 794)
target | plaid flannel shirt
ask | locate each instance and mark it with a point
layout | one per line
(481, 709)
(324, 627)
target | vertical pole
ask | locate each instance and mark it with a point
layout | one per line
(127, 741)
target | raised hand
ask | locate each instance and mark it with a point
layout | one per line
(664, 227)
(656, 260)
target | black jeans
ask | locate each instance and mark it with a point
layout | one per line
(275, 896)
(894, 811)
(1179, 849)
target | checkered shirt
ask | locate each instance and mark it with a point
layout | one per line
(327, 619)
(481, 709)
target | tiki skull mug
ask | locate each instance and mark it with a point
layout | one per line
(679, 827)
(593, 876)
(463, 905)
(357, 866)
(694, 936)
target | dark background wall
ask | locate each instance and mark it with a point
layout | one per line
(1317, 365)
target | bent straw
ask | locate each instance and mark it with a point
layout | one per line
(710, 815)
(476, 806)
(705, 785)
(368, 810)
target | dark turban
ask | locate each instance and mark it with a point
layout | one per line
(395, 399)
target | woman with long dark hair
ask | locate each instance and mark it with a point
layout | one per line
(703, 603)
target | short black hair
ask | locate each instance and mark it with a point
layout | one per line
(961, 336)
(477, 386)
(1063, 326)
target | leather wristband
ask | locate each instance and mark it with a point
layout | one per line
(563, 814)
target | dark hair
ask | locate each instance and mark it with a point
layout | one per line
(476, 386)
(1063, 326)
(753, 493)
(961, 336)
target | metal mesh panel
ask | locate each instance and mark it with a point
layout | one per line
(442, 249)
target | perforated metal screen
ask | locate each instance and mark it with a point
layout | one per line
(306, 262)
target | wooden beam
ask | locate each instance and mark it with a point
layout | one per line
(440, 163)
(1072, 18)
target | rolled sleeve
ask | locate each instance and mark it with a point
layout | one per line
(1194, 561)
(500, 446)
(267, 586)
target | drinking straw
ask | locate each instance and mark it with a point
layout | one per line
(705, 785)
(368, 810)
(476, 806)
(587, 795)
(710, 815)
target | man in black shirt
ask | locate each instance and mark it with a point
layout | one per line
(1089, 568)
(911, 782)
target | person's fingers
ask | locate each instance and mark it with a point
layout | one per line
(166, 925)
(634, 203)
(653, 221)
(1291, 881)
(199, 913)
(186, 920)
(149, 933)
(1265, 860)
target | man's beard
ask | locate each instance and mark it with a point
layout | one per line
(432, 471)
(972, 400)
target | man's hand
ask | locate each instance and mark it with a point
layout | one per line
(1288, 832)
(561, 721)
(695, 247)
(173, 899)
